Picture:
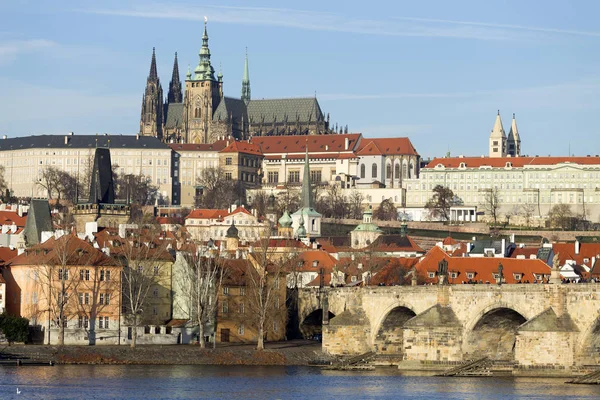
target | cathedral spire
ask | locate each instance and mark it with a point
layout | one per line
(153, 74)
(514, 140)
(175, 94)
(204, 71)
(306, 200)
(246, 81)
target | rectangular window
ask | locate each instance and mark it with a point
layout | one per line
(101, 298)
(294, 177)
(315, 176)
(242, 308)
(87, 298)
(100, 322)
(228, 161)
(155, 270)
(80, 298)
(86, 322)
(241, 330)
(228, 176)
(107, 299)
(225, 307)
(63, 274)
(273, 177)
(106, 319)
(225, 290)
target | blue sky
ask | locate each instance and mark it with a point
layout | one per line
(435, 71)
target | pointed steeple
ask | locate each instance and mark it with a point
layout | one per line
(153, 74)
(204, 71)
(514, 140)
(498, 129)
(306, 200)
(175, 94)
(246, 82)
(498, 139)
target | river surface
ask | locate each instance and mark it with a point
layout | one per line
(241, 382)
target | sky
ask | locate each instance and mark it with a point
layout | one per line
(434, 71)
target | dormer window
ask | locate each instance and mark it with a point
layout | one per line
(470, 275)
(508, 165)
(462, 165)
(431, 274)
(453, 275)
(315, 264)
(517, 276)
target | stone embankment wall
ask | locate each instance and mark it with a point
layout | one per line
(476, 228)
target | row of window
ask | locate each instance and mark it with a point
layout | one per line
(84, 298)
(84, 322)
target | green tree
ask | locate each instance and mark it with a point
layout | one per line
(15, 329)
(440, 202)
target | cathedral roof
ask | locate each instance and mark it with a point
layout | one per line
(229, 107)
(174, 115)
(278, 110)
(321, 144)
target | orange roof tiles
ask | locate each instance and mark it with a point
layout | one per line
(243, 147)
(316, 143)
(8, 217)
(207, 213)
(483, 268)
(386, 146)
(516, 162)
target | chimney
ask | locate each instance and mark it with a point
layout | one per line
(346, 143)
(4, 137)
(577, 245)
(512, 237)
(468, 248)
(137, 137)
(503, 247)
(66, 139)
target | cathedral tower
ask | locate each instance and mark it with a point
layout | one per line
(498, 139)
(203, 93)
(152, 104)
(514, 140)
(246, 82)
(175, 94)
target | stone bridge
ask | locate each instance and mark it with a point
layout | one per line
(555, 326)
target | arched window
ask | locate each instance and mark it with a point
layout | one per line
(362, 170)
(397, 171)
(197, 112)
(404, 171)
(411, 171)
(388, 171)
(374, 171)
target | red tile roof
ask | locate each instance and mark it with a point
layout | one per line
(449, 241)
(8, 217)
(243, 147)
(516, 162)
(484, 268)
(316, 143)
(238, 210)
(386, 146)
(7, 254)
(207, 213)
(566, 251)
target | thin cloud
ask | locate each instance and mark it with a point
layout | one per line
(504, 26)
(10, 50)
(309, 20)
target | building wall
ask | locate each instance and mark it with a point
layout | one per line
(541, 186)
(23, 167)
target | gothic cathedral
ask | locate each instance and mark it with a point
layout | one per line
(203, 114)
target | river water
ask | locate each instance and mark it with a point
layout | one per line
(241, 382)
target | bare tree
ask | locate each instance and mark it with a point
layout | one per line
(386, 211)
(528, 209)
(491, 203)
(59, 182)
(200, 281)
(137, 189)
(513, 212)
(218, 189)
(561, 216)
(439, 204)
(260, 202)
(266, 290)
(143, 261)
(288, 199)
(355, 200)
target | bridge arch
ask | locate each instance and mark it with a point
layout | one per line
(388, 336)
(492, 331)
(312, 325)
(587, 350)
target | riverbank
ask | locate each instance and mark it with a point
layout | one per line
(295, 352)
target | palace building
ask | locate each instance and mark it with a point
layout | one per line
(203, 114)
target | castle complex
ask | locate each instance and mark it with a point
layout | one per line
(203, 113)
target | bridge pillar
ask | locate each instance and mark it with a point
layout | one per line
(434, 335)
(348, 333)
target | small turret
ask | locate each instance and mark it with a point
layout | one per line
(498, 139)
(232, 236)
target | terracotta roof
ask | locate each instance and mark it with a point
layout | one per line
(8, 217)
(316, 143)
(386, 146)
(80, 252)
(566, 251)
(216, 146)
(396, 243)
(313, 156)
(516, 162)
(7, 254)
(323, 259)
(449, 241)
(238, 210)
(526, 252)
(484, 268)
(395, 272)
(207, 213)
(243, 147)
